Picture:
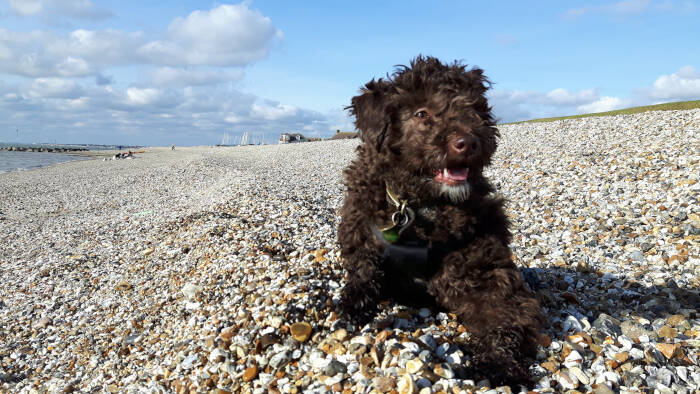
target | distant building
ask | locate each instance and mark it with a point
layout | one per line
(342, 135)
(288, 138)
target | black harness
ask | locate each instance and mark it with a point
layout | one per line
(407, 267)
(411, 256)
(409, 264)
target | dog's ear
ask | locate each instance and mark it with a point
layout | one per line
(478, 85)
(371, 113)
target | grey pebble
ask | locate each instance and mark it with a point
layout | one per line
(607, 324)
(335, 367)
(280, 359)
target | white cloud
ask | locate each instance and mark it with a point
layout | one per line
(603, 104)
(142, 96)
(340, 119)
(233, 119)
(513, 105)
(273, 111)
(54, 87)
(508, 105)
(26, 7)
(217, 99)
(73, 66)
(80, 53)
(688, 72)
(562, 97)
(101, 48)
(81, 9)
(115, 86)
(78, 104)
(228, 35)
(19, 54)
(628, 7)
(619, 9)
(147, 114)
(670, 6)
(681, 85)
(188, 77)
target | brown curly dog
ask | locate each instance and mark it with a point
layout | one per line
(420, 224)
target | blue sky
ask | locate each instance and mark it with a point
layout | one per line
(186, 72)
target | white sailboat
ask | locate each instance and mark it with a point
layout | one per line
(225, 140)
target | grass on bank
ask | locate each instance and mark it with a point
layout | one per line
(680, 105)
(677, 106)
(341, 135)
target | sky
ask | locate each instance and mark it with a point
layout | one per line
(187, 72)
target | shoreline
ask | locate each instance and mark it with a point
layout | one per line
(30, 165)
(86, 155)
(205, 268)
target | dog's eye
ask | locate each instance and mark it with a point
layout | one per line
(421, 114)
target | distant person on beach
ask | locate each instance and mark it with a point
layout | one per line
(172, 147)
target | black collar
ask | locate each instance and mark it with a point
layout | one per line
(401, 219)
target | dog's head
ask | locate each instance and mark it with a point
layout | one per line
(430, 125)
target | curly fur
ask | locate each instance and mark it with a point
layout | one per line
(426, 117)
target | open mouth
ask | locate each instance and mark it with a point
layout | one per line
(452, 176)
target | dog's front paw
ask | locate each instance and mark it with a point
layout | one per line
(531, 278)
(498, 356)
(502, 372)
(358, 306)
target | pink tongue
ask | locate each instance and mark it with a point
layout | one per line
(458, 174)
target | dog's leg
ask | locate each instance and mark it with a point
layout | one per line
(482, 286)
(360, 259)
(360, 297)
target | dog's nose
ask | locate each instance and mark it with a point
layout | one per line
(463, 144)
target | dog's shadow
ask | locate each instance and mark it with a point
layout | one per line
(565, 292)
(562, 292)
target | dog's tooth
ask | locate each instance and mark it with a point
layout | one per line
(445, 173)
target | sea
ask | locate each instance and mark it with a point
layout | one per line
(20, 161)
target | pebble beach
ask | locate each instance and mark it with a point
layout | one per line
(216, 269)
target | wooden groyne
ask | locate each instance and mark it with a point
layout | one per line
(40, 149)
